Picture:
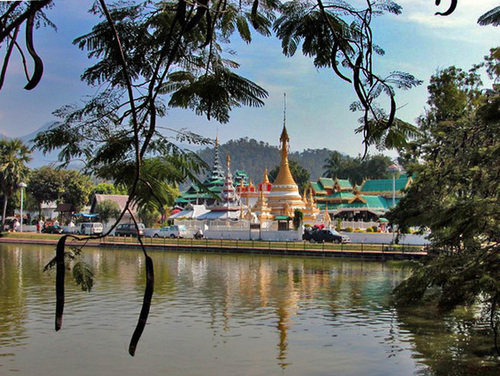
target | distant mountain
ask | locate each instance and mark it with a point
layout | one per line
(38, 158)
(254, 156)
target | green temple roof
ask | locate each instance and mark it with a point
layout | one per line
(384, 185)
(326, 182)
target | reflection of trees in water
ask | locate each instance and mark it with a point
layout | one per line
(456, 344)
(20, 277)
(235, 295)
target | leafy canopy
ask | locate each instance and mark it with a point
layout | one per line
(456, 194)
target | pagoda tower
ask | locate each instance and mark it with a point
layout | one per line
(217, 172)
(284, 196)
(311, 211)
(229, 195)
(261, 208)
(265, 186)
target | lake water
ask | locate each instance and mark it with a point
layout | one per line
(221, 315)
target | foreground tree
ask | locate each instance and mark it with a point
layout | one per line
(456, 195)
(14, 155)
(13, 16)
(148, 49)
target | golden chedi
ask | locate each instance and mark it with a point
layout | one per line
(311, 211)
(284, 196)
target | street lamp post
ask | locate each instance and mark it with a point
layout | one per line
(22, 186)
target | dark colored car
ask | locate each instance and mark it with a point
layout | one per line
(324, 235)
(53, 229)
(129, 229)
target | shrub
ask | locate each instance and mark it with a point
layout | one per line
(375, 228)
(348, 229)
(359, 230)
(369, 229)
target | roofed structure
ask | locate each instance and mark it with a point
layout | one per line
(384, 187)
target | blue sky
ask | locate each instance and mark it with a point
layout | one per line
(317, 101)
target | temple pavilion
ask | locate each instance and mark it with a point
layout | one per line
(371, 200)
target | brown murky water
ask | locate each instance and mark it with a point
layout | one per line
(222, 315)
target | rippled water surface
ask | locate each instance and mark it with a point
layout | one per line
(210, 315)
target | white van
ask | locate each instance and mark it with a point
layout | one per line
(174, 231)
(91, 228)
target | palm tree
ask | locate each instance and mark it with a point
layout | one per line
(332, 165)
(14, 155)
(491, 17)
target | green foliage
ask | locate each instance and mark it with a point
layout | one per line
(45, 185)
(254, 157)
(108, 189)
(14, 155)
(83, 276)
(357, 169)
(149, 216)
(455, 195)
(338, 35)
(369, 229)
(76, 189)
(348, 229)
(298, 217)
(107, 210)
(63, 186)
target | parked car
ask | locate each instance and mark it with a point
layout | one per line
(129, 229)
(175, 231)
(53, 229)
(324, 235)
(91, 228)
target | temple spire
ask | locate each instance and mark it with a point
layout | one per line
(284, 110)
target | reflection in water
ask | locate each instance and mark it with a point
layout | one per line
(211, 315)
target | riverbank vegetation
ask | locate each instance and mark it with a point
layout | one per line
(456, 195)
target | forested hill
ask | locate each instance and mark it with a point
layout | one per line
(254, 156)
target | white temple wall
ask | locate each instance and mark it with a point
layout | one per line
(266, 235)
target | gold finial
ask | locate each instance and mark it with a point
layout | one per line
(228, 162)
(284, 135)
(284, 110)
(266, 178)
(216, 141)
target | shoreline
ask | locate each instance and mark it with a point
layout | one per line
(298, 249)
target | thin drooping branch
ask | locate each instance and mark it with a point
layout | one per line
(7, 57)
(60, 276)
(9, 27)
(148, 295)
(451, 9)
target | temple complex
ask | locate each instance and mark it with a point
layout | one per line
(371, 200)
(284, 196)
(235, 196)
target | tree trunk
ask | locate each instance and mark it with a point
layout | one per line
(5, 199)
